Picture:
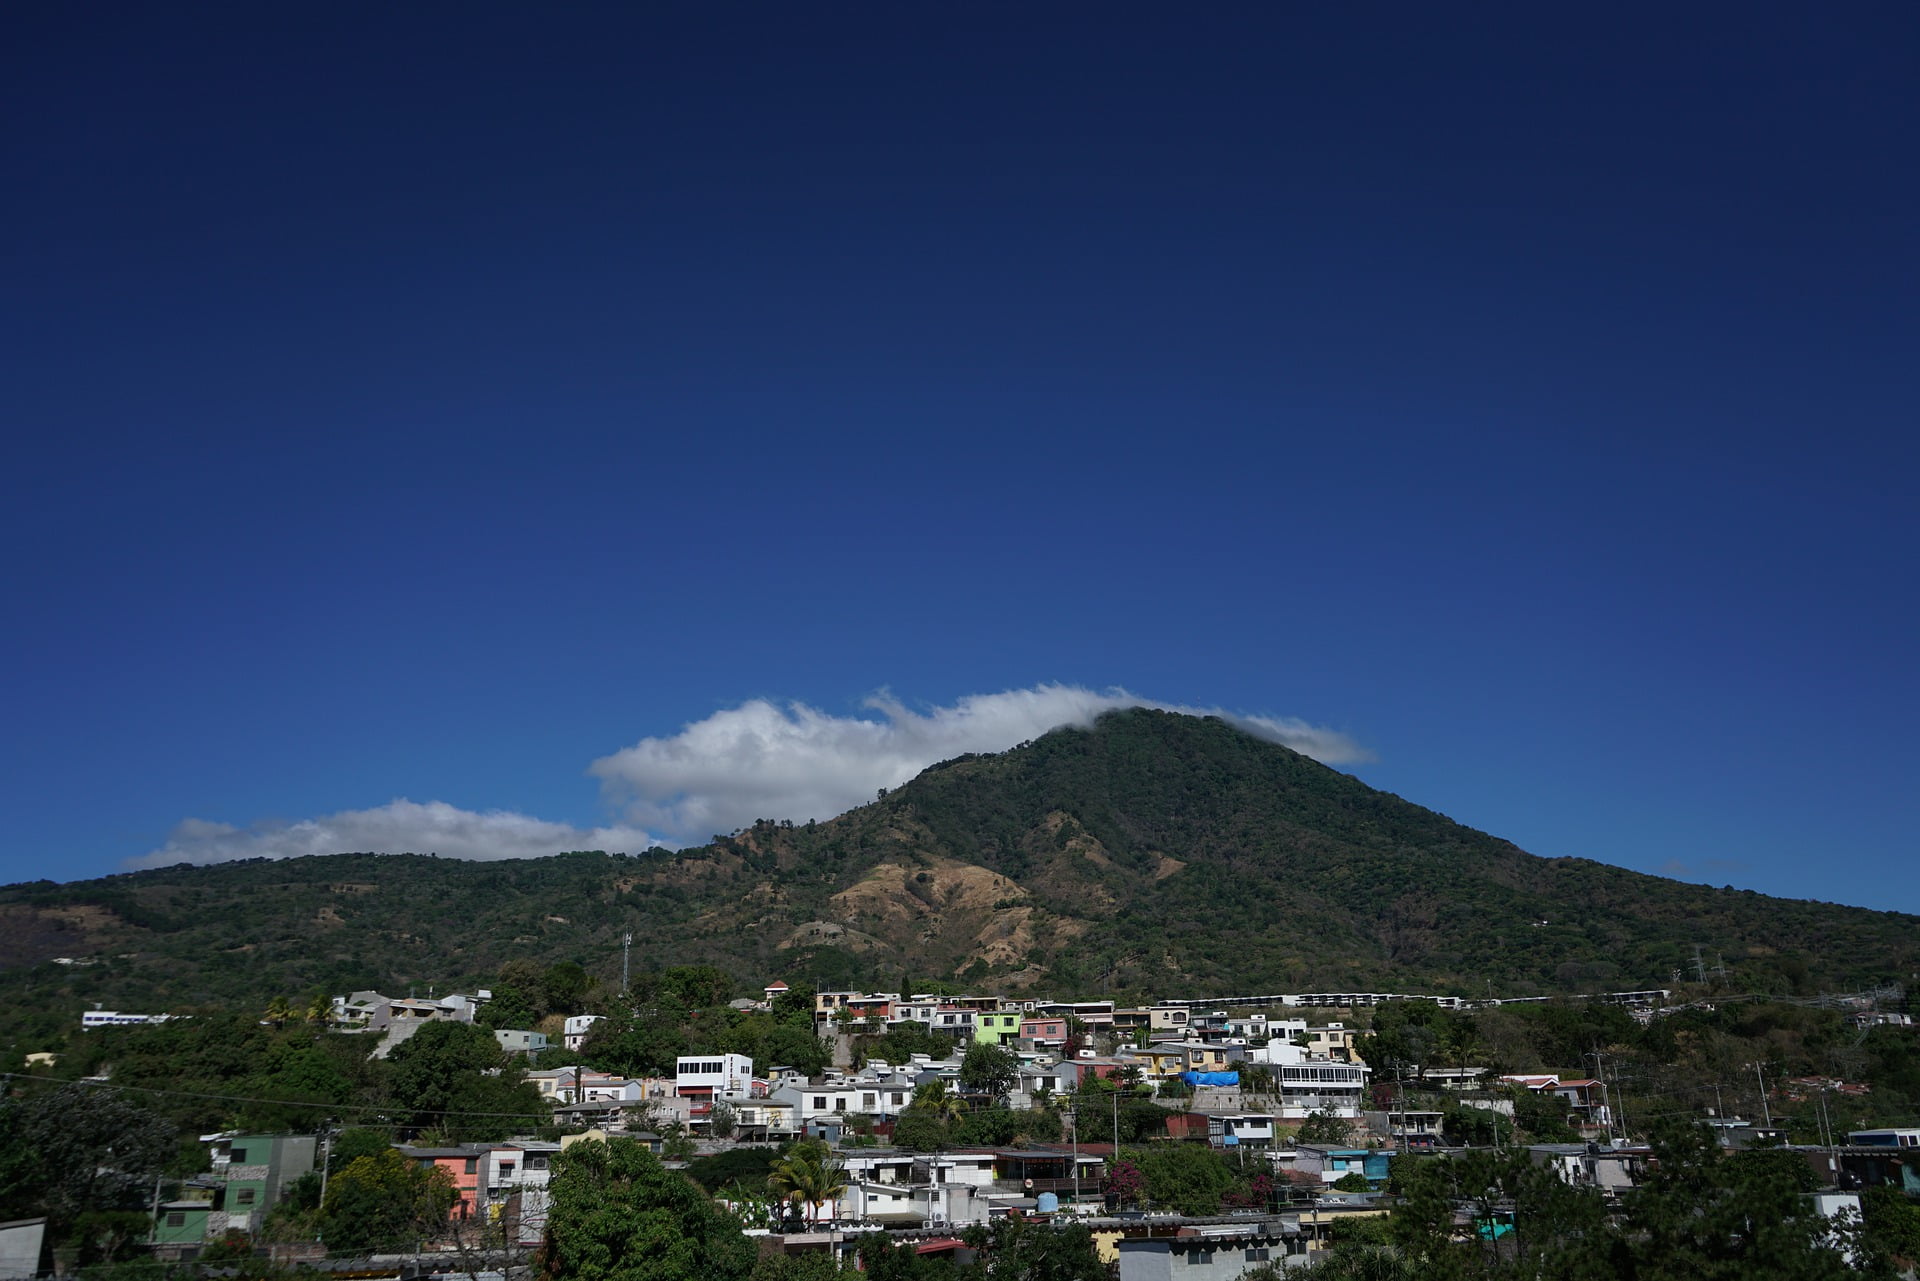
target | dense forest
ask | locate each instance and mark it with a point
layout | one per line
(1153, 855)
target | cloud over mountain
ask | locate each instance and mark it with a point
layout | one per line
(762, 760)
(757, 760)
(399, 826)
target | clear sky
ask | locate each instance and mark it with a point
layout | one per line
(597, 423)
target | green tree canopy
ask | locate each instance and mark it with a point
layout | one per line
(382, 1202)
(617, 1214)
(1188, 1177)
(1322, 1130)
(989, 1069)
(921, 1129)
(453, 1078)
(76, 1149)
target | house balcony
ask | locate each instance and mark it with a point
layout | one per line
(1089, 1185)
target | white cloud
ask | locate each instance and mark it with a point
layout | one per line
(761, 760)
(757, 760)
(397, 827)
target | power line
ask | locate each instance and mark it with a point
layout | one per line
(289, 1103)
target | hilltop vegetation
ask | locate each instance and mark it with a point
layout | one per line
(1155, 854)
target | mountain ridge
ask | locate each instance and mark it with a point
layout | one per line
(1151, 853)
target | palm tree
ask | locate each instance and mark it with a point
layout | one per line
(936, 1098)
(808, 1175)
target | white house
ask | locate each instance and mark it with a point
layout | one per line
(839, 1098)
(514, 1181)
(91, 1019)
(1242, 1129)
(1884, 1138)
(704, 1075)
(516, 1041)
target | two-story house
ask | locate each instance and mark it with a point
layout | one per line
(997, 1027)
(1332, 1041)
(872, 1097)
(1241, 1130)
(515, 1179)
(1043, 1033)
(463, 1167)
(249, 1174)
(574, 1030)
(706, 1075)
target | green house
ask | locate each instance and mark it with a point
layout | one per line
(257, 1169)
(997, 1027)
(182, 1224)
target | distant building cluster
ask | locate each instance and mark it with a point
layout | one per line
(1232, 1076)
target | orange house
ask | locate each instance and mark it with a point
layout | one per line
(464, 1165)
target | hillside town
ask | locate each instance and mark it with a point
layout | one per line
(1302, 1133)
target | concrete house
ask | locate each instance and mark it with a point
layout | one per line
(998, 1027)
(515, 1179)
(514, 1041)
(253, 1171)
(250, 1174)
(573, 1033)
(462, 1165)
(1046, 1034)
(707, 1075)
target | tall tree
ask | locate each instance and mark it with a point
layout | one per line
(453, 1078)
(617, 1214)
(79, 1148)
(382, 1201)
(989, 1069)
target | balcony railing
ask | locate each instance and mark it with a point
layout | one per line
(1089, 1185)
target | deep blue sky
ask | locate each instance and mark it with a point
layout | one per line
(428, 400)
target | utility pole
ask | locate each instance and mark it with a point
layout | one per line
(1400, 1089)
(1826, 1132)
(326, 1159)
(1616, 1108)
(1765, 1111)
(1073, 1122)
(626, 952)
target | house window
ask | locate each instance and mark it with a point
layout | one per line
(1198, 1257)
(176, 1218)
(237, 1155)
(819, 1103)
(840, 1104)
(1259, 1254)
(473, 1163)
(536, 1163)
(243, 1196)
(506, 1170)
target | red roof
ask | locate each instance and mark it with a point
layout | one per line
(938, 1244)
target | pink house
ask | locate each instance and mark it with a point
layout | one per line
(463, 1165)
(1043, 1033)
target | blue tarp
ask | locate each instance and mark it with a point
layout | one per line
(1210, 1078)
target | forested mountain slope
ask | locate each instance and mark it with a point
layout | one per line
(1155, 853)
